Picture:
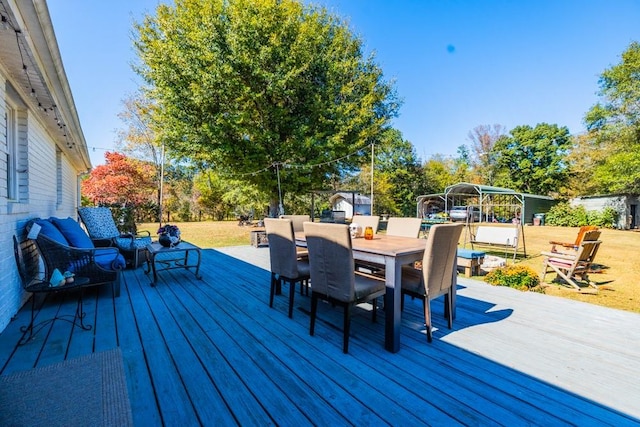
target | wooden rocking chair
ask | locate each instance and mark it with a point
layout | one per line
(579, 238)
(574, 267)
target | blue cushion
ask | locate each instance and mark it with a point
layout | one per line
(51, 231)
(99, 222)
(470, 254)
(72, 231)
(109, 262)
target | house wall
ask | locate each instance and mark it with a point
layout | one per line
(47, 184)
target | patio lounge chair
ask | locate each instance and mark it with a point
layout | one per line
(286, 265)
(435, 277)
(63, 245)
(35, 282)
(333, 276)
(103, 231)
(574, 267)
(571, 245)
(37, 260)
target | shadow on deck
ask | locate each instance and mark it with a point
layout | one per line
(212, 352)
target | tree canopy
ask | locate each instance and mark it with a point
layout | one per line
(245, 85)
(532, 160)
(120, 181)
(614, 126)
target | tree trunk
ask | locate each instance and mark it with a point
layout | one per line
(275, 210)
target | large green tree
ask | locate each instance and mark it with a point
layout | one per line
(614, 126)
(261, 87)
(396, 160)
(532, 160)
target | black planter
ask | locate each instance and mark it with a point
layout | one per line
(164, 240)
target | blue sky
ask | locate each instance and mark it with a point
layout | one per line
(456, 64)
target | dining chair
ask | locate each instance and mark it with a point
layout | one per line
(333, 274)
(404, 227)
(365, 221)
(286, 265)
(297, 221)
(435, 276)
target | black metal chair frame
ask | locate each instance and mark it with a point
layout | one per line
(80, 260)
(29, 268)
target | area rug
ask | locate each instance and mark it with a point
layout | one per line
(89, 390)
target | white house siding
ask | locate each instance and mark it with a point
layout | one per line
(38, 197)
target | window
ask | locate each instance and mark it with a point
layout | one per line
(10, 151)
(58, 177)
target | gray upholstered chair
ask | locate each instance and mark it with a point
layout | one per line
(365, 221)
(297, 221)
(435, 277)
(286, 266)
(333, 276)
(404, 227)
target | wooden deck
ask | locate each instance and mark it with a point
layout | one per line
(212, 352)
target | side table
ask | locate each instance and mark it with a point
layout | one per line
(172, 257)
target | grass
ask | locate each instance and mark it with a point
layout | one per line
(618, 281)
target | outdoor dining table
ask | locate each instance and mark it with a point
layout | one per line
(392, 253)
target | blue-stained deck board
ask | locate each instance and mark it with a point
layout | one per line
(212, 352)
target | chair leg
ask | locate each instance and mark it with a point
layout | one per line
(292, 292)
(80, 314)
(272, 290)
(29, 327)
(447, 307)
(347, 326)
(427, 318)
(374, 311)
(314, 309)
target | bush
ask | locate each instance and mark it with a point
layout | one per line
(565, 215)
(514, 276)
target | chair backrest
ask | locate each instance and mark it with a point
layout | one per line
(589, 247)
(297, 220)
(330, 260)
(439, 255)
(99, 222)
(583, 231)
(282, 247)
(27, 261)
(365, 221)
(404, 227)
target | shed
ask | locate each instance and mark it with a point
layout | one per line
(626, 206)
(351, 203)
(496, 204)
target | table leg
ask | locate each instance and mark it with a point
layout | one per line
(392, 300)
(198, 266)
(153, 267)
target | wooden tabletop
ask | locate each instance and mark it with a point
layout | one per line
(382, 244)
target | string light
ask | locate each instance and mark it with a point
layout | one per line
(6, 24)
